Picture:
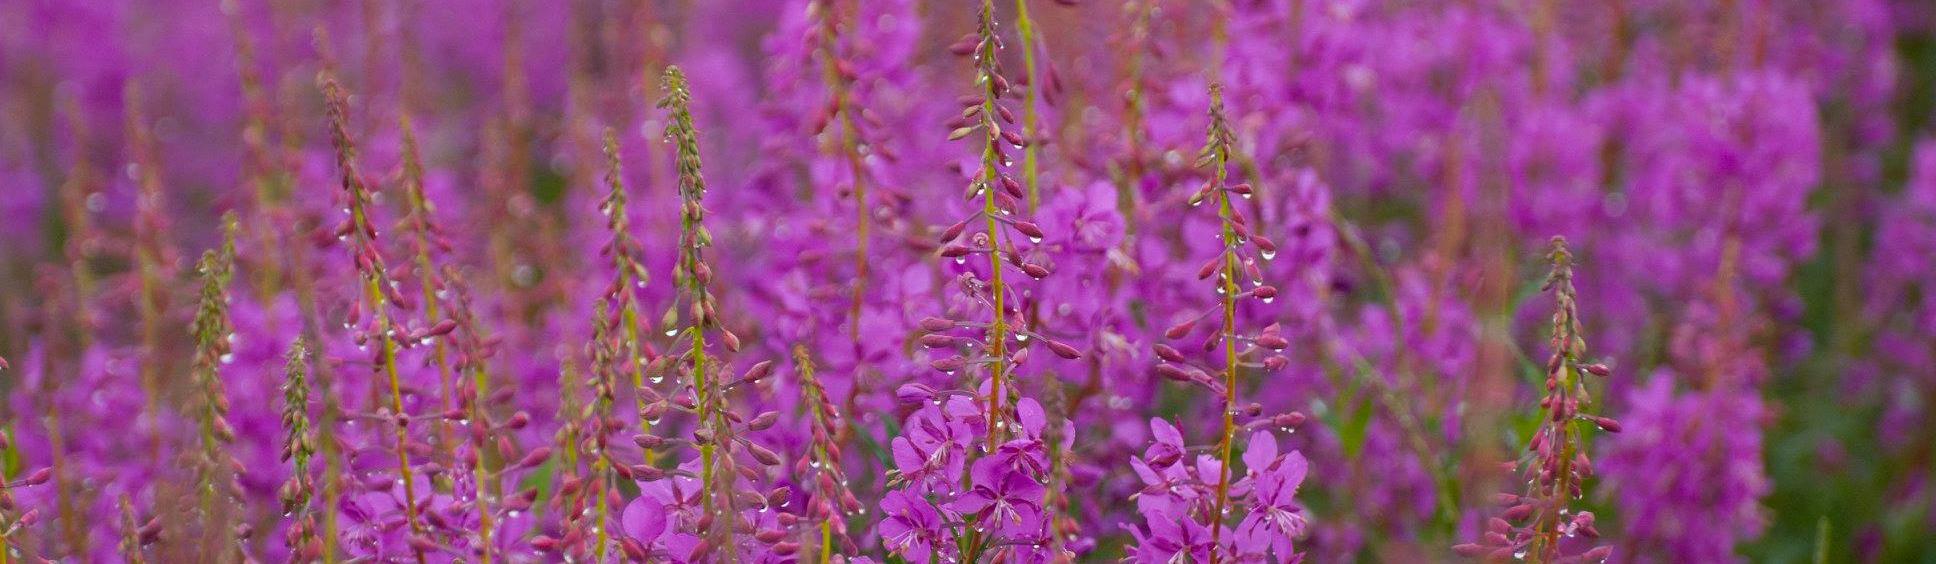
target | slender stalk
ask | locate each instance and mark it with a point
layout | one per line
(299, 447)
(1142, 11)
(422, 230)
(629, 274)
(604, 365)
(469, 343)
(840, 87)
(152, 257)
(370, 266)
(1026, 27)
(260, 170)
(212, 331)
(816, 400)
(1220, 147)
(988, 78)
(694, 275)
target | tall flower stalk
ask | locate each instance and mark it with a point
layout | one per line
(718, 431)
(606, 362)
(298, 493)
(951, 497)
(378, 292)
(1538, 521)
(831, 499)
(490, 441)
(1218, 155)
(629, 276)
(1176, 491)
(851, 144)
(694, 276)
(154, 259)
(1000, 197)
(216, 480)
(1031, 99)
(426, 241)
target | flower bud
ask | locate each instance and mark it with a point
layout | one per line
(535, 457)
(1063, 350)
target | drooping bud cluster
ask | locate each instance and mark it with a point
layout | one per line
(1187, 504)
(597, 423)
(1538, 524)
(615, 349)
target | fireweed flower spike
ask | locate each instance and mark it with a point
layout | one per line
(566, 467)
(378, 292)
(971, 465)
(604, 350)
(1538, 522)
(1000, 196)
(721, 434)
(1199, 494)
(628, 278)
(842, 108)
(830, 499)
(298, 493)
(427, 240)
(216, 470)
(491, 441)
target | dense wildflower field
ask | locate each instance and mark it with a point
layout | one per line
(1002, 281)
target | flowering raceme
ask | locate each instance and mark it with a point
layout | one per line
(1152, 280)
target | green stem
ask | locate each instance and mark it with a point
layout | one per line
(1231, 270)
(1026, 26)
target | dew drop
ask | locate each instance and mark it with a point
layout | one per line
(1268, 255)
